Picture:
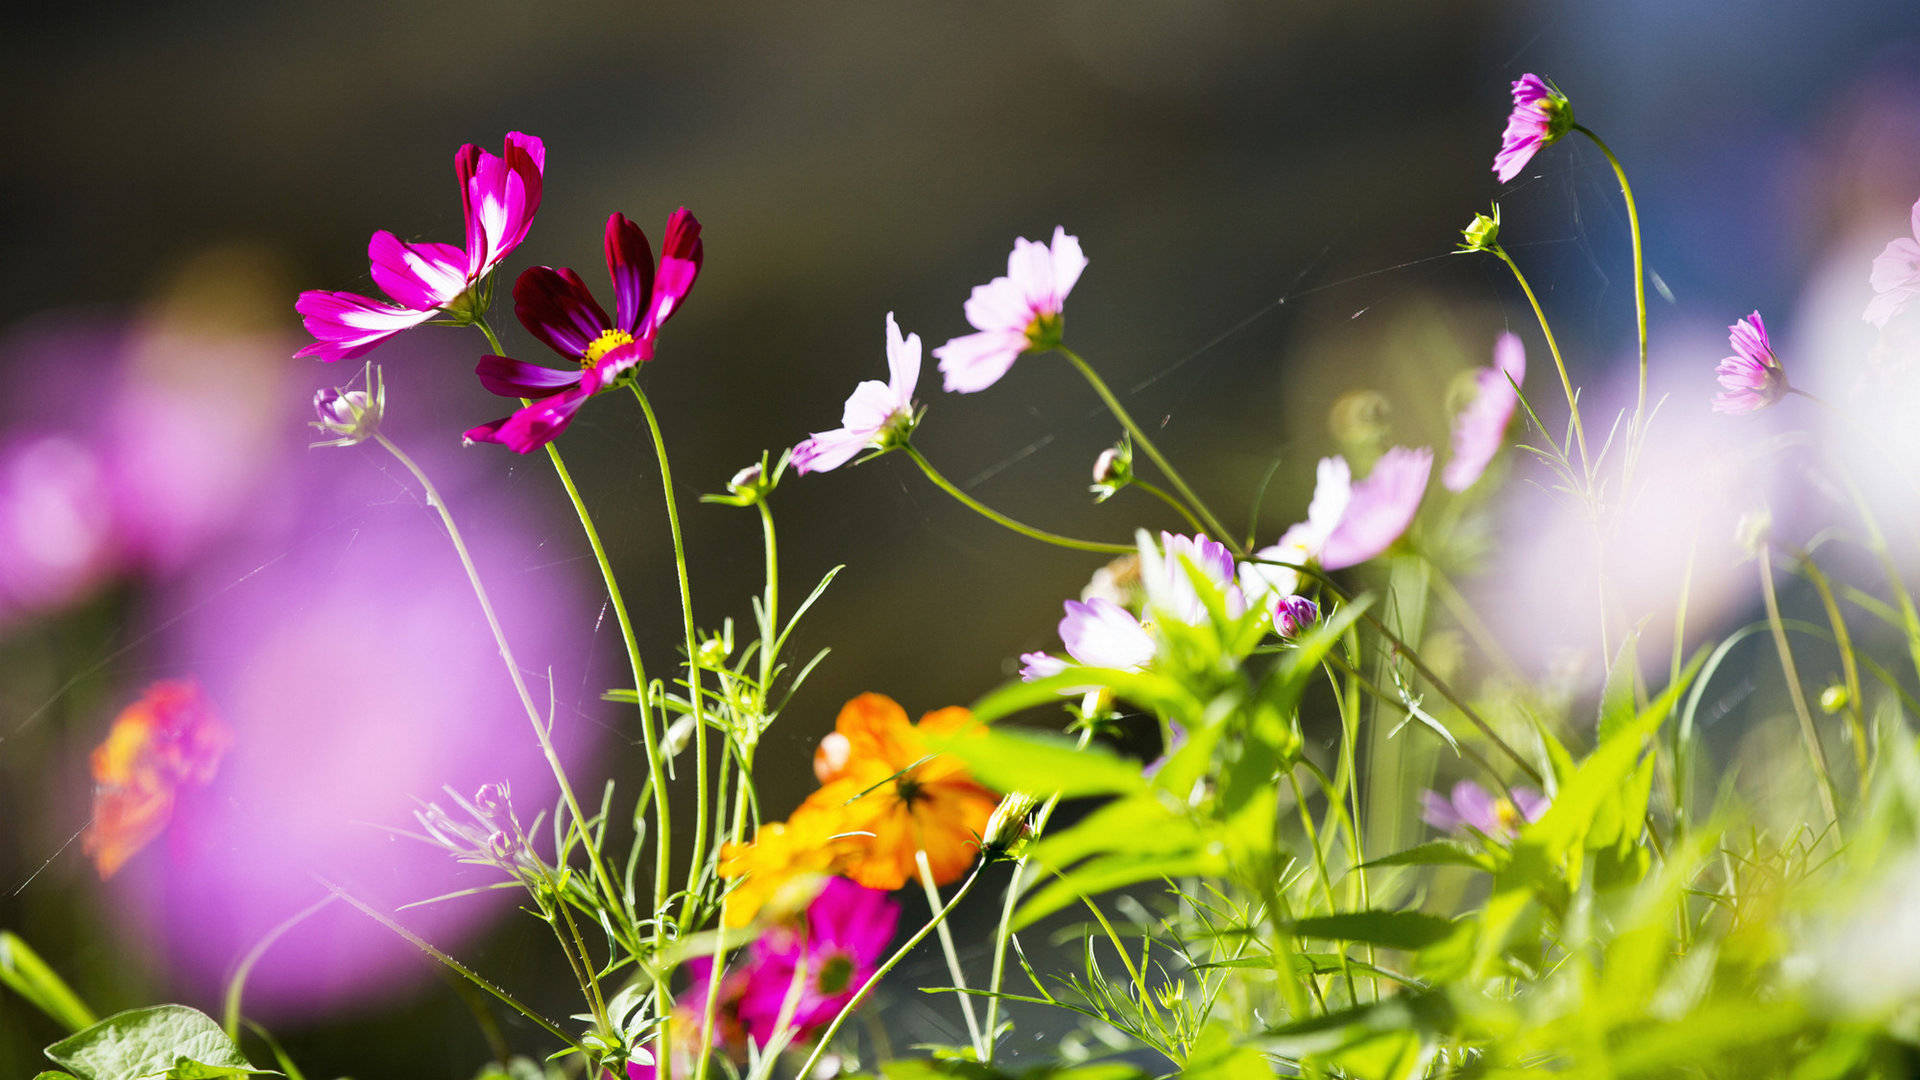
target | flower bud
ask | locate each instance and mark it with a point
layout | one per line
(751, 485)
(1112, 470)
(1293, 615)
(1833, 699)
(1753, 530)
(1007, 831)
(1482, 233)
(492, 799)
(353, 416)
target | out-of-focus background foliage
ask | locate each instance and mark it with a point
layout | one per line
(1267, 194)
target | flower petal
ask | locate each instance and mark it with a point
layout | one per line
(976, 361)
(558, 308)
(630, 261)
(346, 325)
(1381, 508)
(681, 253)
(508, 377)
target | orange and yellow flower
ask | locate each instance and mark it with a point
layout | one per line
(886, 795)
(169, 737)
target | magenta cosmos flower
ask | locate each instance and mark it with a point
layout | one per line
(818, 964)
(1014, 313)
(499, 196)
(1481, 427)
(1097, 633)
(878, 415)
(556, 307)
(1896, 276)
(1752, 378)
(1473, 807)
(1348, 522)
(1540, 116)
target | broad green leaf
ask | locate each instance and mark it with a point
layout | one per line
(1041, 763)
(1433, 853)
(1405, 930)
(1155, 692)
(22, 970)
(55, 1076)
(1216, 1056)
(1139, 824)
(169, 1041)
(1096, 876)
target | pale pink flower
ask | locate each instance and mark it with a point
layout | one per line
(1348, 522)
(875, 416)
(1472, 807)
(1540, 116)
(1097, 633)
(1482, 426)
(1013, 314)
(1896, 276)
(1172, 571)
(1752, 378)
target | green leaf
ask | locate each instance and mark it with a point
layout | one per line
(1096, 876)
(22, 970)
(172, 1042)
(1216, 1056)
(1616, 701)
(1042, 763)
(1405, 930)
(1434, 853)
(55, 1076)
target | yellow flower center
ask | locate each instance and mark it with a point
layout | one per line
(607, 342)
(1508, 816)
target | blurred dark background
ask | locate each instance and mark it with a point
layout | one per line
(1267, 193)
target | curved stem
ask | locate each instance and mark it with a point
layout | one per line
(694, 693)
(826, 1037)
(1003, 520)
(1553, 346)
(540, 731)
(1639, 265)
(1809, 735)
(1119, 411)
(1161, 493)
(952, 955)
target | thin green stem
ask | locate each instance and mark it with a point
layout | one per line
(697, 864)
(768, 656)
(1849, 667)
(540, 732)
(1553, 346)
(1119, 411)
(1003, 520)
(1809, 734)
(952, 954)
(1639, 266)
(826, 1037)
(1179, 507)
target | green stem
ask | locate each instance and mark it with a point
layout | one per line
(1179, 507)
(826, 1037)
(952, 955)
(540, 732)
(1003, 520)
(697, 865)
(1553, 346)
(1119, 411)
(1809, 735)
(1639, 266)
(768, 655)
(1849, 667)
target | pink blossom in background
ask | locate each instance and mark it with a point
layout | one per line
(1896, 276)
(557, 307)
(834, 951)
(873, 413)
(349, 659)
(1540, 116)
(499, 196)
(1471, 806)
(1752, 378)
(58, 536)
(1292, 615)
(1014, 313)
(1379, 509)
(1481, 428)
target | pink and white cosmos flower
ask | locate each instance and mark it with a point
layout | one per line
(499, 195)
(1540, 116)
(1013, 314)
(1097, 633)
(1481, 427)
(1896, 276)
(556, 307)
(1752, 378)
(1472, 807)
(876, 414)
(1171, 573)
(1347, 522)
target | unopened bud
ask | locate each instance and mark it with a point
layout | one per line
(352, 416)
(1834, 698)
(1482, 233)
(1753, 530)
(1112, 470)
(1293, 615)
(1007, 829)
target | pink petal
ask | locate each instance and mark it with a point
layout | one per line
(630, 262)
(829, 450)
(976, 361)
(515, 378)
(420, 276)
(346, 325)
(1382, 507)
(903, 364)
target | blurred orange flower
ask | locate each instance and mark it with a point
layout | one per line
(881, 774)
(785, 865)
(169, 737)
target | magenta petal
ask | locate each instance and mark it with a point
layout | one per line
(535, 425)
(681, 253)
(508, 377)
(1437, 811)
(1476, 807)
(419, 276)
(346, 325)
(556, 307)
(630, 261)
(499, 196)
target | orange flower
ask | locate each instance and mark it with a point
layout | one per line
(167, 738)
(785, 865)
(882, 777)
